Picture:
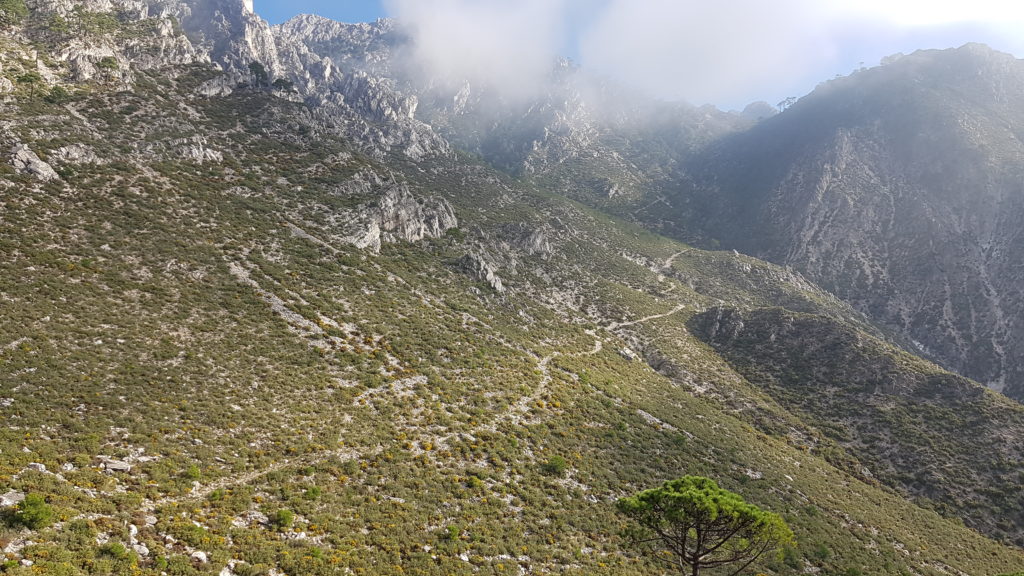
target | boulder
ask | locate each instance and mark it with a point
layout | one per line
(25, 161)
(477, 266)
(111, 465)
(11, 498)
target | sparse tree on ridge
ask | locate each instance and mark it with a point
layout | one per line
(259, 74)
(691, 524)
(31, 79)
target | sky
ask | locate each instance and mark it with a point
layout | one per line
(727, 53)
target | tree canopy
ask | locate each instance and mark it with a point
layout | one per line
(259, 74)
(691, 524)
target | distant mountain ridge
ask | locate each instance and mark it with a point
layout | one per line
(900, 189)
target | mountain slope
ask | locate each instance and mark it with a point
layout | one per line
(851, 186)
(221, 305)
(899, 189)
(214, 325)
(891, 411)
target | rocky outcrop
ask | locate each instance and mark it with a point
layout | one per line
(197, 151)
(111, 465)
(370, 96)
(533, 241)
(147, 39)
(75, 154)
(25, 161)
(230, 33)
(11, 498)
(479, 267)
(345, 69)
(397, 216)
(366, 47)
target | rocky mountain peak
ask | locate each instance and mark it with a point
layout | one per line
(898, 188)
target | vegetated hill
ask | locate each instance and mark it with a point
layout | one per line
(851, 186)
(246, 332)
(891, 411)
(900, 189)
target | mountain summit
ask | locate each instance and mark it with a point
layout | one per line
(901, 190)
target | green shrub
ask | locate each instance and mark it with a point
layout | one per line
(58, 95)
(192, 473)
(555, 466)
(282, 518)
(12, 11)
(33, 512)
(115, 550)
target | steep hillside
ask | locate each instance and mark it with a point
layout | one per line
(891, 411)
(255, 331)
(850, 186)
(222, 324)
(898, 188)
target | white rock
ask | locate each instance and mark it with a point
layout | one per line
(11, 498)
(110, 465)
(25, 161)
(75, 154)
(628, 354)
(476, 265)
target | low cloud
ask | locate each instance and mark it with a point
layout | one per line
(705, 51)
(508, 45)
(727, 53)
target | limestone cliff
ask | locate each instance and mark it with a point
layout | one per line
(900, 190)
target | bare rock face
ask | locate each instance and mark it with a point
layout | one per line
(76, 154)
(157, 42)
(229, 32)
(528, 240)
(898, 189)
(398, 216)
(25, 161)
(405, 218)
(478, 266)
(11, 498)
(369, 95)
(347, 69)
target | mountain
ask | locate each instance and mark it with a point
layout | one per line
(899, 189)
(890, 411)
(298, 329)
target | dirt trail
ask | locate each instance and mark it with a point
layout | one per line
(615, 325)
(204, 491)
(671, 259)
